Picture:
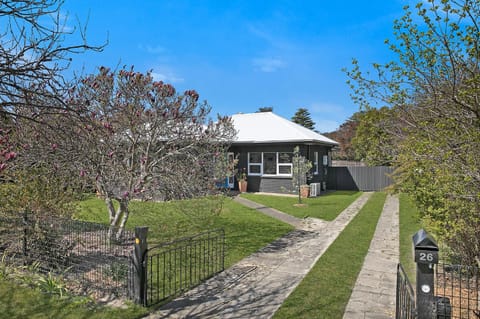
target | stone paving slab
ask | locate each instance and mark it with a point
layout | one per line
(256, 286)
(373, 296)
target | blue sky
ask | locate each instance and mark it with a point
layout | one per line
(242, 55)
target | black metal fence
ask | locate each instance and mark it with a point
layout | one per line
(457, 289)
(405, 298)
(177, 266)
(442, 291)
(83, 253)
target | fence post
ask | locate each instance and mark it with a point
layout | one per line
(25, 236)
(140, 266)
(426, 256)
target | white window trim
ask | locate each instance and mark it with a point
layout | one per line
(283, 164)
(248, 165)
(277, 166)
(315, 162)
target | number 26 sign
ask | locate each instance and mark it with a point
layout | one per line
(426, 257)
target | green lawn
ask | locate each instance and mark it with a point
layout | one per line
(326, 207)
(325, 291)
(246, 231)
(18, 302)
(410, 223)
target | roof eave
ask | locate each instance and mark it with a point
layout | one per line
(285, 142)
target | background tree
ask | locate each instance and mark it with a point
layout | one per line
(433, 88)
(303, 117)
(374, 140)
(344, 136)
(265, 109)
(33, 58)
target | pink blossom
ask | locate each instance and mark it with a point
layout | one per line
(10, 155)
(3, 166)
(54, 146)
(110, 154)
(125, 195)
(82, 173)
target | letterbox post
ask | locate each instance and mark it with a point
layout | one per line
(426, 256)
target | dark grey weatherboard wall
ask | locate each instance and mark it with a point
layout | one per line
(277, 184)
(374, 178)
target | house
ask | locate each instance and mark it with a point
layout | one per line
(264, 148)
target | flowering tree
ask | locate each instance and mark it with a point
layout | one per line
(33, 58)
(138, 138)
(131, 138)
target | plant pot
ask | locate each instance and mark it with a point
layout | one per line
(242, 186)
(304, 191)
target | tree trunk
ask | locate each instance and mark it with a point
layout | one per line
(125, 212)
(110, 208)
(115, 221)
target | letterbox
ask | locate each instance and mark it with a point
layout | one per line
(426, 248)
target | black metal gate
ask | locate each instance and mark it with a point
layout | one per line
(405, 308)
(177, 266)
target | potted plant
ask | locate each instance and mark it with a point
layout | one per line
(242, 180)
(304, 190)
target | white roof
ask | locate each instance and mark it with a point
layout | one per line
(267, 127)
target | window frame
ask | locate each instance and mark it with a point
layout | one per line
(249, 164)
(315, 163)
(290, 164)
(277, 165)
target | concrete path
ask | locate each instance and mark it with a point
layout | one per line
(257, 286)
(286, 218)
(373, 296)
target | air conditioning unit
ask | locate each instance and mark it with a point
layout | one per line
(314, 189)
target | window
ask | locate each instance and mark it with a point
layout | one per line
(270, 163)
(255, 163)
(285, 163)
(315, 163)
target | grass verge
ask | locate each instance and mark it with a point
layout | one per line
(325, 291)
(410, 223)
(17, 302)
(326, 207)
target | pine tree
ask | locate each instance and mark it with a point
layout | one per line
(303, 117)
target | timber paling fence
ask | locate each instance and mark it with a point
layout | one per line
(82, 253)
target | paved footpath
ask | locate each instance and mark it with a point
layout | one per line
(373, 296)
(256, 286)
